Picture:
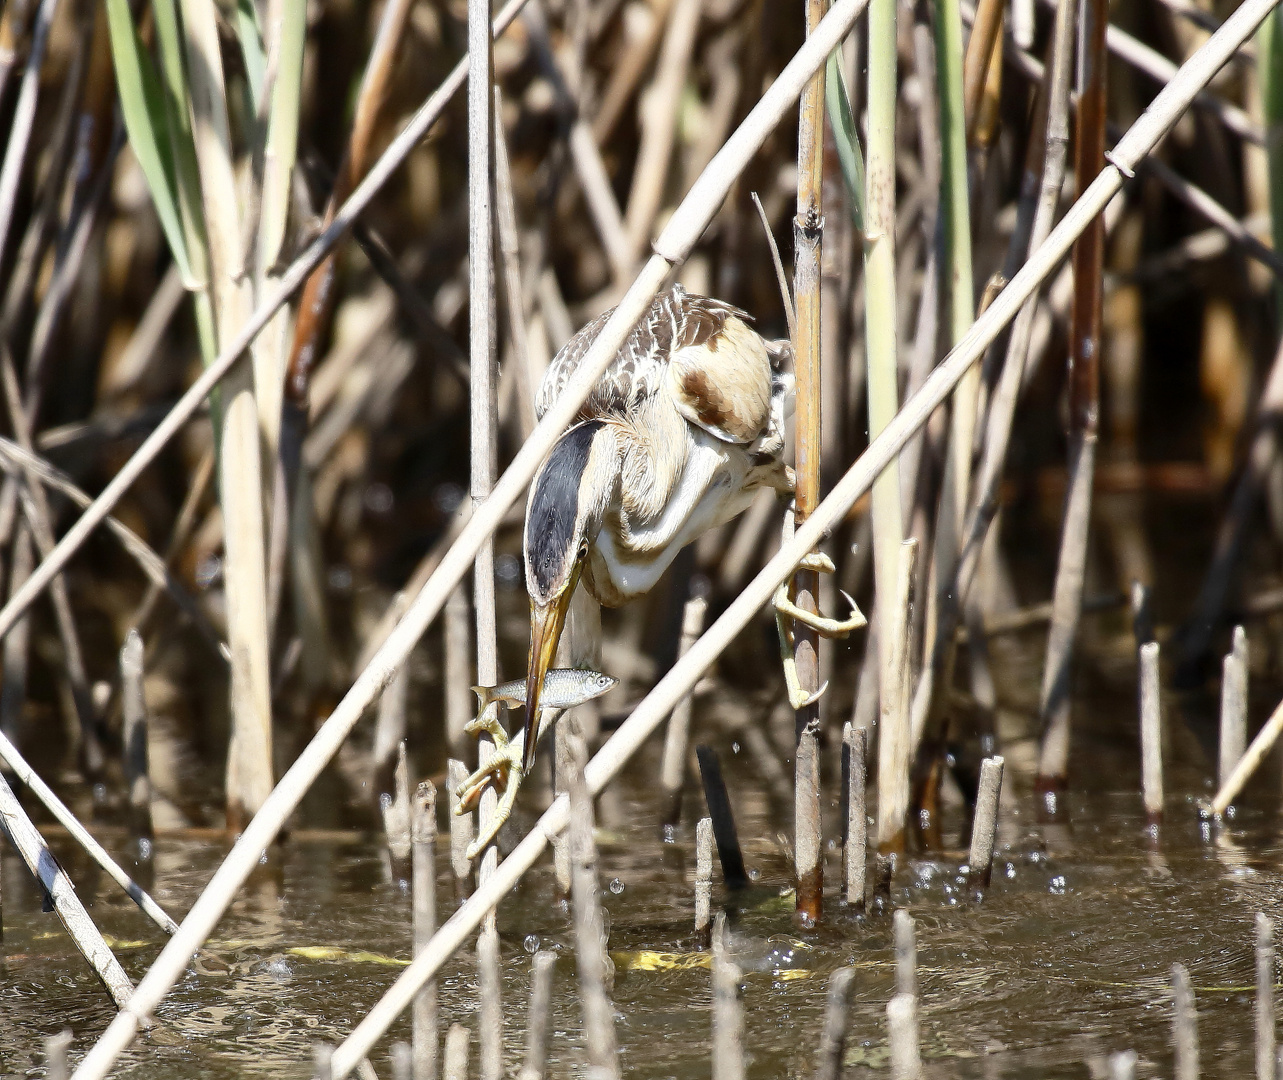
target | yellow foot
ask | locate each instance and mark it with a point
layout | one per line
(503, 772)
(788, 612)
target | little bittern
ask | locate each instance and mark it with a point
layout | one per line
(677, 436)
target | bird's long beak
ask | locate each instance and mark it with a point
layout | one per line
(546, 624)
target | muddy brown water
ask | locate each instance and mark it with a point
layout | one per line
(1067, 959)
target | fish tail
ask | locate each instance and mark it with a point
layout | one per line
(485, 694)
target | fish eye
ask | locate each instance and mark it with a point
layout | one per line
(583, 549)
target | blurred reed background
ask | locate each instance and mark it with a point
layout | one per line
(163, 163)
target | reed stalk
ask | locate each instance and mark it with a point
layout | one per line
(679, 235)
(703, 882)
(483, 414)
(881, 354)
(855, 741)
(728, 1012)
(672, 772)
(541, 971)
(423, 834)
(895, 746)
(808, 225)
(1084, 411)
(1265, 976)
(1184, 1025)
(62, 895)
(984, 824)
(1151, 733)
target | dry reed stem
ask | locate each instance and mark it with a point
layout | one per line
(541, 970)
(390, 727)
(808, 227)
(513, 293)
(24, 115)
(461, 830)
(986, 35)
(56, 1047)
(1248, 763)
(1151, 732)
(1264, 997)
(906, 953)
(395, 806)
(728, 1012)
(984, 825)
(687, 223)
(895, 740)
(28, 777)
(423, 834)
(628, 73)
(855, 741)
(1184, 1025)
(322, 1061)
(703, 882)
(828, 1065)
(133, 707)
(1084, 409)
(902, 1035)
(659, 125)
(672, 771)
(401, 1060)
(62, 893)
(15, 460)
(590, 932)
(1233, 726)
(456, 1053)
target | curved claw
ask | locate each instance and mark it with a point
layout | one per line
(826, 627)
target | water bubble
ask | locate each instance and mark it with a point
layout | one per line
(735, 748)
(385, 801)
(447, 497)
(144, 848)
(339, 578)
(531, 944)
(1010, 870)
(1058, 885)
(507, 568)
(616, 886)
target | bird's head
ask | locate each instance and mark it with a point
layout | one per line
(568, 500)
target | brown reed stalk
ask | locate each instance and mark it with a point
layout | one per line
(703, 882)
(895, 745)
(1084, 411)
(808, 863)
(688, 222)
(984, 825)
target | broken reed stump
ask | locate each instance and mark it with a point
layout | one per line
(1264, 997)
(541, 967)
(56, 1047)
(672, 773)
(401, 1059)
(395, 807)
(489, 989)
(322, 1057)
(456, 1053)
(902, 1037)
(1184, 1025)
(1122, 1065)
(906, 953)
(828, 1064)
(590, 934)
(728, 1013)
(62, 893)
(718, 800)
(1151, 734)
(1233, 733)
(984, 826)
(855, 752)
(423, 832)
(461, 829)
(134, 715)
(703, 882)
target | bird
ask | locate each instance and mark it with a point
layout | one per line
(677, 436)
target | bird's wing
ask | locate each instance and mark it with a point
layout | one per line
(701, 350)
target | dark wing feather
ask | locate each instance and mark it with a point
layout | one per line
(675, 320)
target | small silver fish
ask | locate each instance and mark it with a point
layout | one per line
(563, 688)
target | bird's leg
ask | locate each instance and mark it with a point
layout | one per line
(785, 609)
(503, 770)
